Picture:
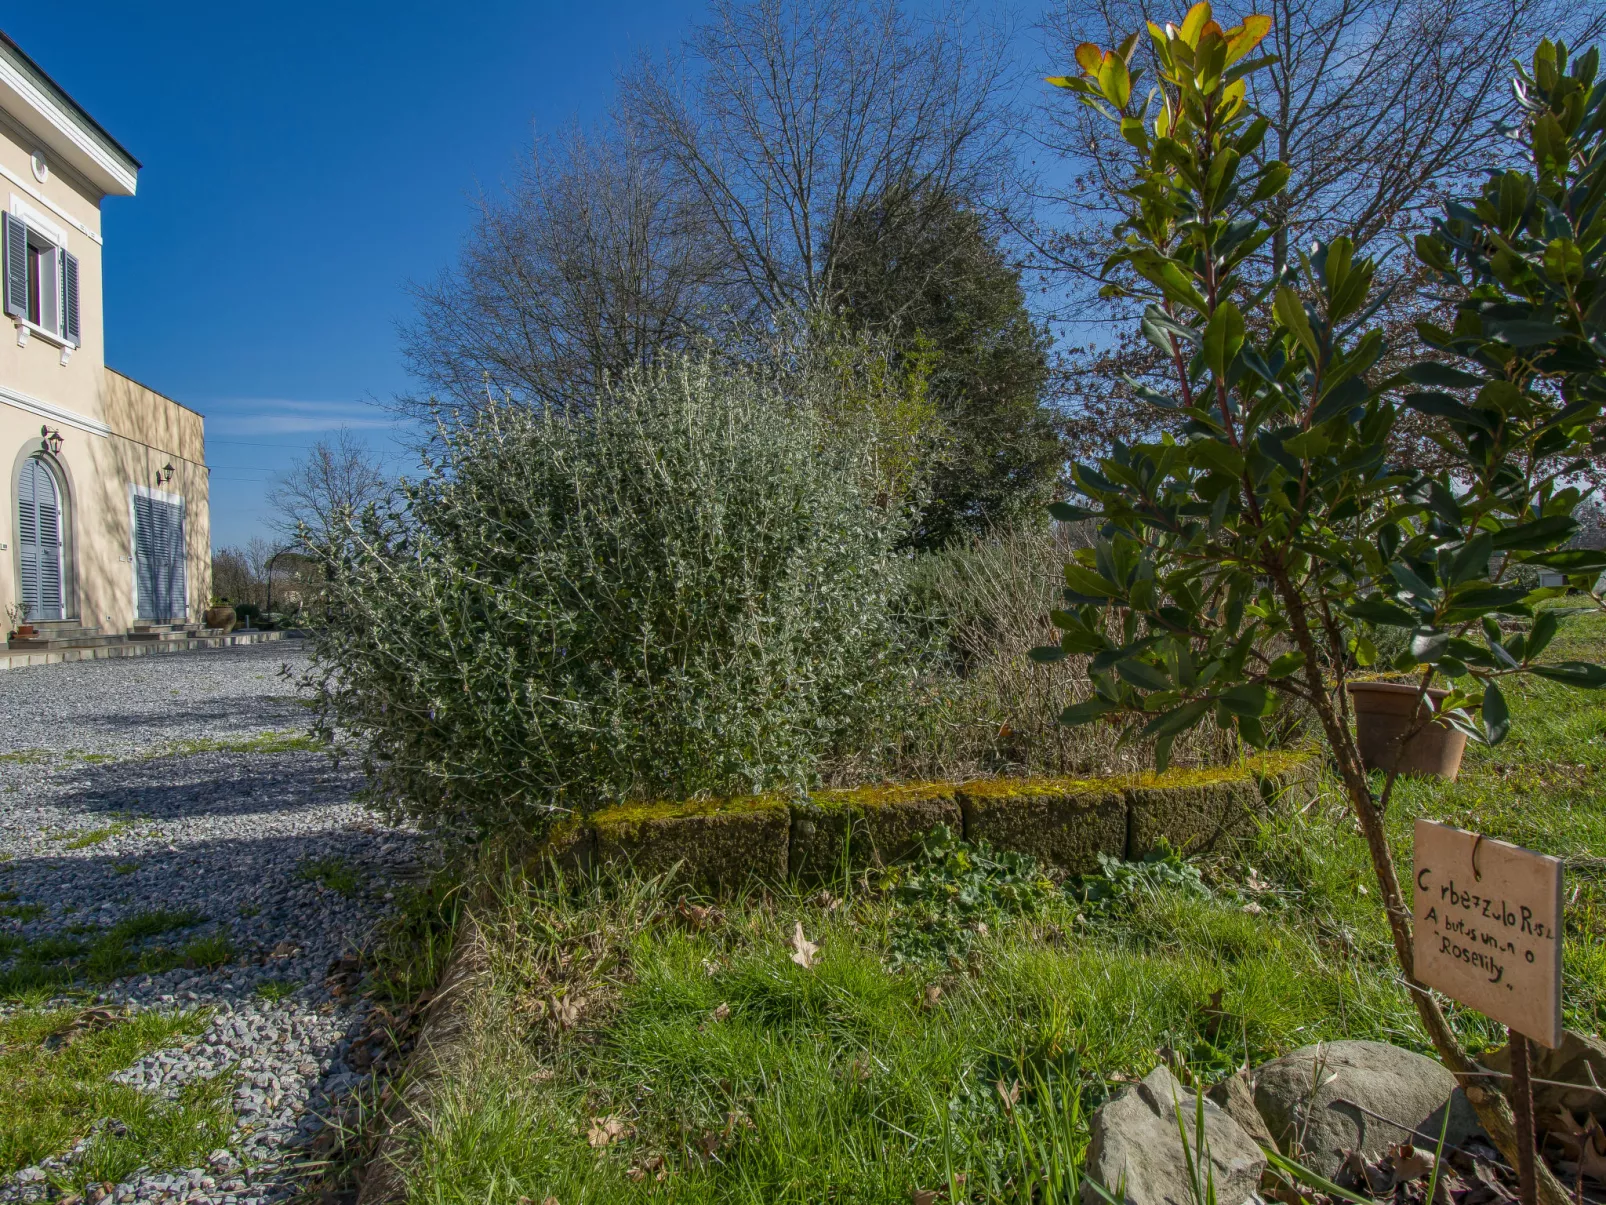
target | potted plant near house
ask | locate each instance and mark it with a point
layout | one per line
(220, 615)
(19, 629)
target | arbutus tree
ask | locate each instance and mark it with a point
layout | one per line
(1238, 555)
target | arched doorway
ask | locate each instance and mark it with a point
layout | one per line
(39, 541)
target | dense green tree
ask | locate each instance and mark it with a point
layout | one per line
(920, 268)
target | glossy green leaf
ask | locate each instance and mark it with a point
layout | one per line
(1496, 718)
(1574, 673)
(1143, 675)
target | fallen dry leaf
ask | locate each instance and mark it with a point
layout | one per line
(566, 1012)
(1010, 1095)
(932, 994)
(1408, 1163)
(803, 950)
(606, 1130)
(696, 917)
(723, 1011)
(1563, 1127)
(709, 1142)
(922, 1196)
(827, 901)
(1591, 1161)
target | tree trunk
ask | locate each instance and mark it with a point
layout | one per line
(1483, 1091)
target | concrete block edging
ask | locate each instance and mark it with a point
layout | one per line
(720, 844)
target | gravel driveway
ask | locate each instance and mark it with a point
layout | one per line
(174, 782)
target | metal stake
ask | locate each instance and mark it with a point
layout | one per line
(1522, 1107)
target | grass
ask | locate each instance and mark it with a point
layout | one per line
(639, 1046)
(285, 741)
(275, 990)
(85, 838)
(54, 1087)
(102, 953)
(333, 872)
(265, 742)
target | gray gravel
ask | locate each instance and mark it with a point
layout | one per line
(233, 836)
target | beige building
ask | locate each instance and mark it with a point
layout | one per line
(104, 522)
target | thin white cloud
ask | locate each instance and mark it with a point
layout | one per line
(282, 416)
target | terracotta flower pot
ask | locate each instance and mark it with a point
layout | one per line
(26, 631)
(220, 617)
(1384, 711)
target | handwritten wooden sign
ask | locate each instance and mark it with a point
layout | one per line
(1488, 927)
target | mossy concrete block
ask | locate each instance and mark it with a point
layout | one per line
(570, 845)
(868, 826)
(1196, 811)
(717, 843)
(1287, 780)
(824, 843)
(1064, 822)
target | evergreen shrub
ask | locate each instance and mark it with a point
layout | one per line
(689, 590)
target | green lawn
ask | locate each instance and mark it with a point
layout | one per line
(55, 1087)
(638, 1049)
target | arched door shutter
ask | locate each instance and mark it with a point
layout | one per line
(39, 540)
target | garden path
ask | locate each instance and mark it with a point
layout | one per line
(172, 801)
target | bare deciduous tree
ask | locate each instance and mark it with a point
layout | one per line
(1376, 129)
(338, 478)
(595, 260)
(783, 115)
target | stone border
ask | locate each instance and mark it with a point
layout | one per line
(141, 648)
(720, 844)
(443, 1045)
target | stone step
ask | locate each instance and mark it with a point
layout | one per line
(44, 643)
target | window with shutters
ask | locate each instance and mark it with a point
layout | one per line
(41, 282)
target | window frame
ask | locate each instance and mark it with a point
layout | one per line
(42, 230)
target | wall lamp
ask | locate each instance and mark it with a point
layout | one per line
(164, 475)
(50, 441)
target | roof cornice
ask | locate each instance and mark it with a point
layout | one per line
(62, 124)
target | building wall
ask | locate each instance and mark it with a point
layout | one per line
(116, 433)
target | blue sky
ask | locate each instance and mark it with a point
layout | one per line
(303, 162)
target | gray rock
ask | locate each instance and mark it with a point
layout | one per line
(1136, 1140)
(1323, 1100)
(1236, 1096)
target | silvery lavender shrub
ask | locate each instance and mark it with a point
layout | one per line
(690, 590)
